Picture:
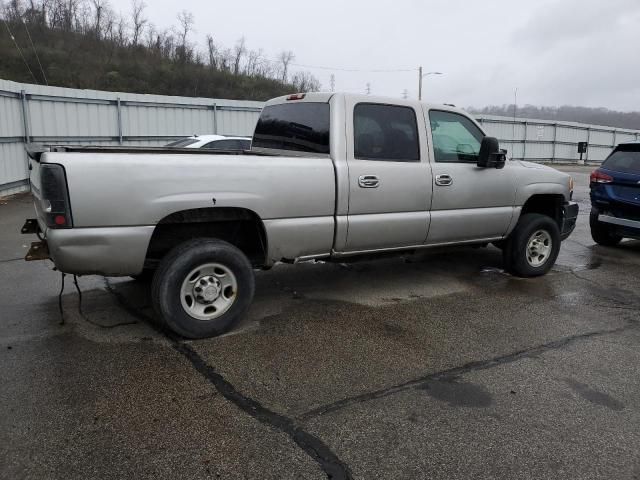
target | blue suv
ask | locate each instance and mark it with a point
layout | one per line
(615, 196)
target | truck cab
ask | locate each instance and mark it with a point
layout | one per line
(407, 173)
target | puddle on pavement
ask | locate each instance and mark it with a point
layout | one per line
(458, 394)
(594, 396)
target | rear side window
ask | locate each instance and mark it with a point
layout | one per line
(385, 132)
(302, 127)
(624, 160)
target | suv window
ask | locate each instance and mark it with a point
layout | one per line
(302, 127)
(455, 137)
(385, 132)
(624, 160)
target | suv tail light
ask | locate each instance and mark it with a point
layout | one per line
(55, 197)
(599, 177)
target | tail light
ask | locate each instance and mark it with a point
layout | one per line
(55, 197)
(296, 96)
(599, 177)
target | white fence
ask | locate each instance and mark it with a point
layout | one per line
(34, 113)
(549, 141)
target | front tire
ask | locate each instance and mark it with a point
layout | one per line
(602, 233)
(202, 288)
(533, 246)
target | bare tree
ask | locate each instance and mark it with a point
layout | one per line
(285, 58)
(99, 7)
(238, 52)
(186, 20)
(305, 82)
(213, 52)
(138, 20)
(121, 28)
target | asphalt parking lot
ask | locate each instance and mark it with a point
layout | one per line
(430, 366)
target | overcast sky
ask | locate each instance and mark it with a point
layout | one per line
(555, 52)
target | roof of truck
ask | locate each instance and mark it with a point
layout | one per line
(326, 96)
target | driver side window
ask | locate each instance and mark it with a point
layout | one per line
(455, 137)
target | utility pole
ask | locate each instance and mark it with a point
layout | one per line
(368, 88)
(420, 77)
(515, 107)
(333, 82)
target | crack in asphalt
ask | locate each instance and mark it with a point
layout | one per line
(331, 465)
(455, 372)
(328, 461)
(11, 260)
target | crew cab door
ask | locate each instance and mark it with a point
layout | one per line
(469, 202)
(389, 176)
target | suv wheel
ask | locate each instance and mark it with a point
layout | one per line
(602, 233)
(533, 246)
(202, 288)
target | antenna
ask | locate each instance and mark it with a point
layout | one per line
(405, 94)
(333, 82)
(368, 88)
(20, 50)
(35, 51)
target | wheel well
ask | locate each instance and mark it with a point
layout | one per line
(546, 204)
(238, 226)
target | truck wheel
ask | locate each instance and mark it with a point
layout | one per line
(533, 246)
(601, 233)
(202, 288)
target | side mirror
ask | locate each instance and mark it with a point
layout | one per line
(490, 155)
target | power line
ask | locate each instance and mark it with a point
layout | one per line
(20, 50)
(362, 70)
(341, 69)
(35, 51)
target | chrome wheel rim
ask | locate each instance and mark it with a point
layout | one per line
(208, 291)
(539, 248)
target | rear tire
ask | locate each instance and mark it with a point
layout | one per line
(602, 233)
(533, 246)
(202, 288)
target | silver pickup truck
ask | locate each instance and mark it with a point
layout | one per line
(329, 176)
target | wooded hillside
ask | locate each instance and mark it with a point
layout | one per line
(84, 44)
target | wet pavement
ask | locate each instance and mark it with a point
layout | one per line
(437, 365)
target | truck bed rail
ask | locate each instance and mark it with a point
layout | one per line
(35, 150)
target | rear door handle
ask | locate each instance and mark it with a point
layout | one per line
(444, 180)
(368, 181)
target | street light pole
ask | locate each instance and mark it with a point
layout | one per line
(420, 77)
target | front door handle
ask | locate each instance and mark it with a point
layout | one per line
(444, 180)
(368, 181)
